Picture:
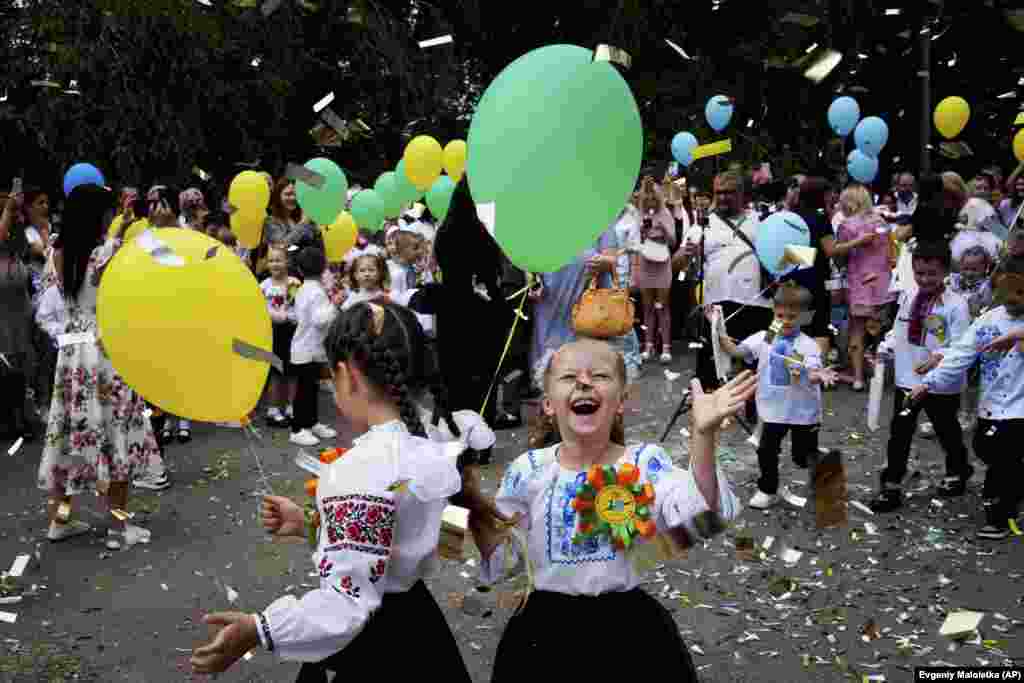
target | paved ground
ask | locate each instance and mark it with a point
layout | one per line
(134, 615)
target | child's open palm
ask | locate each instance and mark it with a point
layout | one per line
(709, 410)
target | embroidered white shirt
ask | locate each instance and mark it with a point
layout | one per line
(722, 248)
(945, 323)
(372, 541)
(537, 486)
(51, 315)
(781, 397)
(277, 301)
(1002, 374)
(314, 313)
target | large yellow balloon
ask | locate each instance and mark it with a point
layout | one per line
(249, 192)
(455, 159)
(248, 227)
(1018, 146)
(951, 116)
(424, 160)
(169, 330)
(340, 236)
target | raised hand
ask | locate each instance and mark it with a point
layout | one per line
(710, 410)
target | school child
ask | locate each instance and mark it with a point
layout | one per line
(790, 375)
(313, 314)
(379, 508)
(368, 279)
(996, 342)
(280, 291)
(931, 317)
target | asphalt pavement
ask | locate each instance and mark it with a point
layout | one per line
(867, 598)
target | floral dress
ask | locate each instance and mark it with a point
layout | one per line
(96, 431)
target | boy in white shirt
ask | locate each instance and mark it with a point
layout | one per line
(790, 375)
(931, 317)
(996, 342)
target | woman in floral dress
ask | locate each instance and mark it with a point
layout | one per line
(97, 434)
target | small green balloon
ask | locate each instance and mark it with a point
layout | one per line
(368, 210)
(556, 144)
(407, 192)
(387, 187)
(439, 197)
(323, 204)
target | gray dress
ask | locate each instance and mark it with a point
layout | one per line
(15, 314)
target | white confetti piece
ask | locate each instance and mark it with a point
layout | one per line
(16, 447)
(19, 566)
(768, 541)
(13, 600)
(790, 556)
(871, 529)
(672, 376)
(232, 594)
(324, 103)
(247, 656)
(794, 499)
(862, 507)
(8, 617)
(681, 51)
(164, 586)
(434, 42)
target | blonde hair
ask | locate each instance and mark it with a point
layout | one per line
(952, 183)
(855, 200)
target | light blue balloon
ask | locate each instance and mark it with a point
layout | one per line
(861, 167)
(843, 116)
(82, 174)
(774, 234)
(718, 112)
(683, 145)
(871, 135)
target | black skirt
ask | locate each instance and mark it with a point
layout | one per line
(283, 334)
(405, 638)
(609, 637)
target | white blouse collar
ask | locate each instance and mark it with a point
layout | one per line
(390, 427)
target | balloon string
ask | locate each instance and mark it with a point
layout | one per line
(251, 434)
(508, 342)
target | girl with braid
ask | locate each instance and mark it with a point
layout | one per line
(380, 506)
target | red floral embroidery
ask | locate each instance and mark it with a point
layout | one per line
(348, 587)
(361, 523)
(325, 568)
(377, 570)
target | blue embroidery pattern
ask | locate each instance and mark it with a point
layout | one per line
(560, 520)
(778, 373)
(990, 362)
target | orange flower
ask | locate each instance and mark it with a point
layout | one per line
(595, 477)
(311, 485)
(628, 474)
(646, 496)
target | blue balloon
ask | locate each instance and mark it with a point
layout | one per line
(774, 234)
(82, 174)
(871, 135)
(683, 145)
(861, 167)
(718, 112)
(843, 116)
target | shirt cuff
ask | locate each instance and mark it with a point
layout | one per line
(263, 629)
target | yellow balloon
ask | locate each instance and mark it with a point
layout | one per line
(455, 159)
(169, 330)
(248, 227)
(1018, 146)
(249, 192)
(951, 116)
(340, 236)
(424, 160)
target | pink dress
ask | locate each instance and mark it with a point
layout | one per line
(652, 274)
(868, 270)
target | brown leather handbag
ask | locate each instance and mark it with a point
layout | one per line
(603, 313)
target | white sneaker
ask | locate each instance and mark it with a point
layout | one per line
(303, 438)
(324, 432)
(646, 355)
(927, 430)
(666, 357)
(763, 501)
(154, 481)
(274, 413)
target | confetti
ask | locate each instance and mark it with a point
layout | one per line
(8, 617)
(768, 541)
(16, 447)
(434, 42)
(961, 624)
(323, 103)
(672, 376)
(862, 507)
(681, 51)
(307, 462)
(232, 594)
(790, 556)
(608, 53)
(247, 656)
(793, 499)
(164, 586)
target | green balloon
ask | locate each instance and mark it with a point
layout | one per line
(368, 210)
(387, 187)
(439, 197)
(407, 192)
(556, 145)
(323, 204)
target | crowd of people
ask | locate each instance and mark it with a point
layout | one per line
(929, 273)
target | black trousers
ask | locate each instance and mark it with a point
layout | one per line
(406, 637)
(942, 411)
(307, 396)
(997, 443)
(747, 321)
(804, 448)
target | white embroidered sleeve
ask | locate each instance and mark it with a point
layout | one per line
(355, 549)
(678, 500)
(512, 499)
(323, 311)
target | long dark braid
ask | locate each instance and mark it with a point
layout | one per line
(442, 406)
(389, 351)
